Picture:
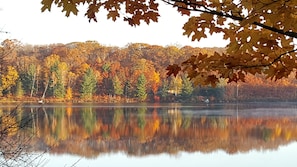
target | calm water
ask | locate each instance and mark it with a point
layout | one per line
(250, 134)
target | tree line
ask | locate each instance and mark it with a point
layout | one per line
(260, 34)
(89, 71)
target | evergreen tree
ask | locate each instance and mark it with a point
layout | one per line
(88, 86)
(117, 86)
(19, 91)
(58, 72)
(141, 93)
(128, 89)
(187, 87)
(59, 90)
(106, 67)
(165, 88)
(29, 79)
(58, 86)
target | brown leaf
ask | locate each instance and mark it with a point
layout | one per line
(153, 5)
(182, 8)
(212, 79)
(173, 69)
(93, 8)
(113, 15)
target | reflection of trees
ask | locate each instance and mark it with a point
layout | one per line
(89, 119)
(117, 117)
(58, 123)
(144, 130)
(141, 122)
(187, 120)
(16, 129)
(175, 119)
(141, 117)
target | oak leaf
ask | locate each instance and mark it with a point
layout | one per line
(69, 8)
(113, 15)
(173, 69)
(46, 5)
(92, 10)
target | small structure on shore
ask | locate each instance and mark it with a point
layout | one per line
(40, 101)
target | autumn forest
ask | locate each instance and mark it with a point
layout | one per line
(89, 71)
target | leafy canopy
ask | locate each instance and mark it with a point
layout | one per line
(261, 33)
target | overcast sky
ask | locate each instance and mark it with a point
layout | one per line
(25, 22)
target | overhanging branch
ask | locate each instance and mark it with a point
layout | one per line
(264, 65)
(205, 9)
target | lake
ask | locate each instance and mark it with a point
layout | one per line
(245, 134)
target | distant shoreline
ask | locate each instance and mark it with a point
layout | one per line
(6, 100)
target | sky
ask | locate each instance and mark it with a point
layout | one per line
(25, 22)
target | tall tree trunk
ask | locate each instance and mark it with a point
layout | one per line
(45, 89)
(33, 85)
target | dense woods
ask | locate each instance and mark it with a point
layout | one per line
(260, 34)
(89, 71)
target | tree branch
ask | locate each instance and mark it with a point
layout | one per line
(264, 65)
(227, 15)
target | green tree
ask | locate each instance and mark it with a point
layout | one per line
(165, 89)
(59, 90)
(55, 73)
(19, 91)
(29, 79)
(187, 87)
(117, 86)
(141, 93)
(128, 89)
(216, 92)
(60, 70)
(106, 67)
(88, 86)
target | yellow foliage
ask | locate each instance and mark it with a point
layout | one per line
(156, 125)
(68, 95)
(69, 111)
(288, 135)
(260, 33)
(9, 78)
(156, 77)
(83, 68)
(51, 60)
(278, 130)
(9, 125)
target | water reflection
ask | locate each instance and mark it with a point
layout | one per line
(90, 130)
(16, 132)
